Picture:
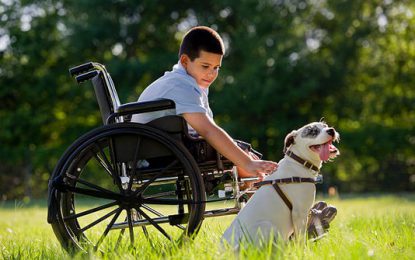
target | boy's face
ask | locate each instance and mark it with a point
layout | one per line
(204, 69)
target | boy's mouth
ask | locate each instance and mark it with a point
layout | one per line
(207, 81)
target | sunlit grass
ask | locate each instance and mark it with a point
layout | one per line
(366, 227)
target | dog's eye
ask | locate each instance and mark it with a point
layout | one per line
(311, 131)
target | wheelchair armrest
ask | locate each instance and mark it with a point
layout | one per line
(142, 107)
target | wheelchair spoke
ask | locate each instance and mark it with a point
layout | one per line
(161, 194)
(150, 181)
(155, 212)
(119, 238)
(154, 223)
(115, 166)
(180, 226)
(108, 166)
(137, 146)
(167, 201)
(118, 212)
(103, 164)
(103, 160)
(93, 193)
(112, 167)
(93, 210)
(91, 185)
(130, 226)
(143, 227)
(145, 231)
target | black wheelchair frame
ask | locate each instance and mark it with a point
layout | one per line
(124, 175)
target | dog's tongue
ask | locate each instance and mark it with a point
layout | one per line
(325, 151)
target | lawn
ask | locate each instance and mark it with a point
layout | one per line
(366, 227)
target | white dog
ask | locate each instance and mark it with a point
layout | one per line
(281, 205)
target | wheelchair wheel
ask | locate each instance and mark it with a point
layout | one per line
(124, 183)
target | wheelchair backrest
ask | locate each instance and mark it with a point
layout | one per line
(104, 88)
(106, 95)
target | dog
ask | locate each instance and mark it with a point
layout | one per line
(281, 205)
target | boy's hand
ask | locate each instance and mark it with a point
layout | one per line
(257, 168)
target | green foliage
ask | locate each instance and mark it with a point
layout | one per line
(287, 63)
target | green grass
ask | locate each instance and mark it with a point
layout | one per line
(366, 227)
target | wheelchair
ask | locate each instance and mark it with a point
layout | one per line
(125, 182)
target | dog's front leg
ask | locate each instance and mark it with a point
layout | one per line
(299, 219)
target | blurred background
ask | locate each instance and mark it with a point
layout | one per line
(288, 63)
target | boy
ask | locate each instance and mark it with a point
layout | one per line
(200, 58)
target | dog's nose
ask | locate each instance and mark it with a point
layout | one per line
(331, 132)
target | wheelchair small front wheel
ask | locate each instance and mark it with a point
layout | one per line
(122, 183)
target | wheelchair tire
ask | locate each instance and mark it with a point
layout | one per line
(123, 176)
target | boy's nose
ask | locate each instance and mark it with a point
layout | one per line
(212, 72)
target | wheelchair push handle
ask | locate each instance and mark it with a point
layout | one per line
(81, 68)
(86, 76)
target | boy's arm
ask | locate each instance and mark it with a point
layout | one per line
(225, 145)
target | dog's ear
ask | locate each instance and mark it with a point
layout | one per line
(289, 140)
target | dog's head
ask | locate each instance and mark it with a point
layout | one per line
(313, 142)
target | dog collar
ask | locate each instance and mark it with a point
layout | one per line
(305, 163)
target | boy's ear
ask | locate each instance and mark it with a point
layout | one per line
(184, 59)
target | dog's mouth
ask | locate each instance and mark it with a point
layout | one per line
(326, 151)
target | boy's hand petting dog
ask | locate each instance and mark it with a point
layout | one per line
(257, 168)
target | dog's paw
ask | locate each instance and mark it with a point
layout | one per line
(328, 214)
(319, 205)
(319, 220)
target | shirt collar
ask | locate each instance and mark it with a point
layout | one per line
(178, 68)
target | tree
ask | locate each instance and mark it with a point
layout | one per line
(287, 63)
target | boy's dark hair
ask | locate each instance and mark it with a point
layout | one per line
(201, 38)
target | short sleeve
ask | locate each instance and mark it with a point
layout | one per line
(188, 99)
